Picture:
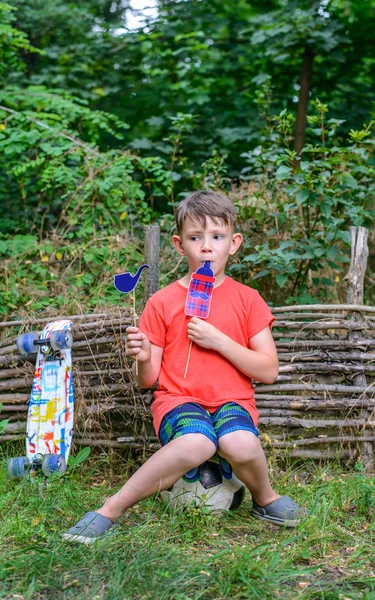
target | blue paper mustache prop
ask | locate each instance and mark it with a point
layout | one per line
(126, 282)
(199, 295)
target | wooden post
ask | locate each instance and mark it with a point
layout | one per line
(355, 278)
(356, 274)
(152, 258)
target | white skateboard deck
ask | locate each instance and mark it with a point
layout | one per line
(51, 408)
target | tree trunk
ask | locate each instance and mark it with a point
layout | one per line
(303, 99)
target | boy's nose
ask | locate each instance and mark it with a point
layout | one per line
(206, 246)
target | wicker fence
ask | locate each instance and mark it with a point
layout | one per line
(321, 406)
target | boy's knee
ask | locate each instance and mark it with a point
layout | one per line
(197, 447)
(239, 447)
(205, 446)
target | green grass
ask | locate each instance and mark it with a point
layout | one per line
(157, 554)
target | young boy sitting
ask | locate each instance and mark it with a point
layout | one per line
(212, 408)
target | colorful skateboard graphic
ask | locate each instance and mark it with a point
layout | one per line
(51, 408)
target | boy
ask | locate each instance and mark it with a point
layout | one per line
(212, 409)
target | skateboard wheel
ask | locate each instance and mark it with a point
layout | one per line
(53, 463)
(25, 343)
(61, 340)
(37, 460)
(16, 467)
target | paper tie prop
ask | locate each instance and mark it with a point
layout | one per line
(199, 295)
(125, 283)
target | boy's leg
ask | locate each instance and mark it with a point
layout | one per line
(188, 439)
(243, 450)
(159, 472)
(240, 446)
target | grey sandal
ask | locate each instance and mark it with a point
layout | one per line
(283, 512)
(90, 528)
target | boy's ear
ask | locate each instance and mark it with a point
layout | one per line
(237, 240)
(176, 239)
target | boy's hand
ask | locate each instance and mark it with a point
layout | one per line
(204, 334)
(137, 344)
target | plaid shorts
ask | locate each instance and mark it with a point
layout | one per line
(192, 418)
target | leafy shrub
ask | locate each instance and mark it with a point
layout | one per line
(72, 212)
(295, 211)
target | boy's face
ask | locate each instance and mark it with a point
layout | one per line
(215, 243)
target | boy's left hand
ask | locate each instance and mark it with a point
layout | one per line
(204, 334)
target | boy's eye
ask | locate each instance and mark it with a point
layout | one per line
(215, 236)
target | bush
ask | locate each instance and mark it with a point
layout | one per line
(295, 211)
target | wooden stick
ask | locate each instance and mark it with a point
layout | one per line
(330, 367)
(310, 307)
(15, 384)
(309, 423)
(302, 325)
(317, 354)
(14, 372)
(348, 389)
(309, 315)
(326, 344)
(188, 358)
(14, 408)
(316, 405)
(115, 444)
(308, 397)
(13, 398)
(317, 454)
(50, 318)
(321, 440)
(135, 325)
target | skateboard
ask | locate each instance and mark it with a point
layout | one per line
(49, 426)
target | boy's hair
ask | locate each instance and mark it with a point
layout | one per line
(202, 204)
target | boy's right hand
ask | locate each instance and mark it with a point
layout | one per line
(137, 345)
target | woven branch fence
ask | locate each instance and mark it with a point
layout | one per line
(321, 406)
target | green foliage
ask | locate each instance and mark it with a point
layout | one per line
(281, 32)
(63, 273)
(68, 172)
(200, 98)
(207, 59)
(296, 214)
(12, 41)
(3, 422)
(73, 205)
(80, 458)
(79, 45)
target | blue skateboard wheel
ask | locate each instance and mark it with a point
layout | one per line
(16, 467)
(53, 463)
(61, 340)
(25, 343)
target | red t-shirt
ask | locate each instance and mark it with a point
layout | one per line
(211, 380)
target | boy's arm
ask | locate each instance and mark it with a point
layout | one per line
(147, 355)
(260, 362)
(148, 371)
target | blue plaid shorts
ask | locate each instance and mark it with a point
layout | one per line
(192, 418)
